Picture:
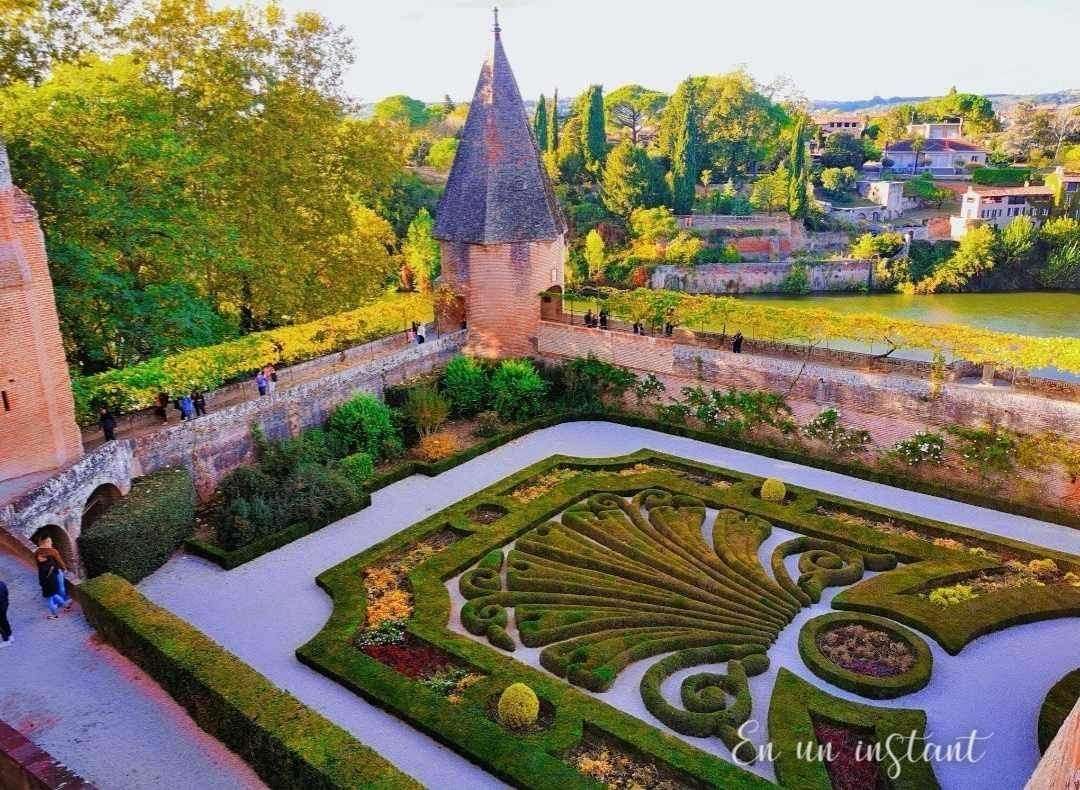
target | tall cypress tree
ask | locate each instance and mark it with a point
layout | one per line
(798, 199)
(684, 156)
(540, 124)
(553, 124)
(593, 136)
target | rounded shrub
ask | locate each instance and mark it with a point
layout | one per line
(518, 707)
(518, 390)
(466, 384)
(773, 490)
(363, 423)
(358, 468)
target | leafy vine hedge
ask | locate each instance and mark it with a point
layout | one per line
(612, 562)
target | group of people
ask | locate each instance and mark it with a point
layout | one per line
(266, 380)
(50, 572)
(190, 406)
(599, 320)
(416, 333)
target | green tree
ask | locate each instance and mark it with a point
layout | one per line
(441, 154)
(798, 199)
(540, 124)
(421, 250)
(553, 124)
(630, 180)
(593, 135)
(838, 180)
(684, 148)
(843, 150)
(632, 108)
(401, 109)
(974, 255)
(595, 256)
(770, 192)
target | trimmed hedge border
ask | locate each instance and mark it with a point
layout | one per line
(232, 559)
(137, 535)
(792, 710)
(821, 665)
(1057, 706)
(288, 744)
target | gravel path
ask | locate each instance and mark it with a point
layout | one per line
(264, 610)
(96, 712)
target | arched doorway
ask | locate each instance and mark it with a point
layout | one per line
(551, 303)
(100, 500)
(61, 541)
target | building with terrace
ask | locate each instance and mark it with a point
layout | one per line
(940, 156)
(998, 206)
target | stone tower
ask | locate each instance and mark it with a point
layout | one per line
(37, 411)
(499, 226)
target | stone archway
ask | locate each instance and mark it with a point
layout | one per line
(551, 305)
(61, 541)
(100, 500)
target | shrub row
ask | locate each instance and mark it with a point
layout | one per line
(135, 387)
(888, 687)
(137, 535)
(288, 744)
(1059, 702)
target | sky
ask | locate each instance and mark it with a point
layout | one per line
(831, 49)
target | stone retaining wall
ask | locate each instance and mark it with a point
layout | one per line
(214, 445)
(735, 278)
(24, 766)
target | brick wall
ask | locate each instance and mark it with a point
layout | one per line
(500, 286)
(37, 411)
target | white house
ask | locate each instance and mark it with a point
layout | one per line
(939, 156)
(854, 125)
(944, 130)
(998, 206)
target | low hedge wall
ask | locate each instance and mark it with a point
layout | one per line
(229, 560)
(909, 682)
(288, 744)
(137, 535)
(1058, 704)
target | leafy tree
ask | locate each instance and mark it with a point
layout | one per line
(684, 249)
(37, 35)
(1061, 238)
(406, 195)
(594, 254)
(1018, 239)
(553, 124)
(632, 107)
(976, 112)
(798, 199)
(593, 136)
(770, 192)
(838, 180)
(924, 189)
(684, 148)
(421, 250)
(974, 255)
(631, 180)
(517, 390)
(466, 384)
(441, 154)
(653, 225)
(871, 246)
(401, 109)
(540, 124)
(843, 150)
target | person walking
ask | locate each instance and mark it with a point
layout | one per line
(421, 335)
(199, 399)
(736, 343)
(271, 379)
(603, 317)
(187, 408)
(107, 423)
(260, 381)
(5, 626)
(161, 405)
(51, 569)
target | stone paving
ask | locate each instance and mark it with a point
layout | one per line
(267, 608)
(94, 711)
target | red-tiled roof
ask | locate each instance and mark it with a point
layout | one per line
(1005, 191)
(936, 146)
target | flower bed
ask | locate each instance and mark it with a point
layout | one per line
(850, 764)
(866, 651)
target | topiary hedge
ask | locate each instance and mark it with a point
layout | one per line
(288, 744)
(137, 535)
(1059, 702)
(870, 686)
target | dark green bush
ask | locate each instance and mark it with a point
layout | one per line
(1056, 707)
(288, 744)
(590, 384)
(136, 536)
(363, 423)
(281, 459)
(465, 382)
(358, 467)
(1001, 176)
(518, 390)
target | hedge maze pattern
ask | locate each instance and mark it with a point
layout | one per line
(603, 563)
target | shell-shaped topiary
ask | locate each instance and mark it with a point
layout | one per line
(773, 490)
(518, 707)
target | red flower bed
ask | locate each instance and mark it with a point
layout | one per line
(411, 658)
(850, 767)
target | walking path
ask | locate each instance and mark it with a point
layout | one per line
(96, 712)
(264, 610)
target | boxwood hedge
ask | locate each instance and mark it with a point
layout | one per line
(288, 744)
(1059, 702)
(138, 534)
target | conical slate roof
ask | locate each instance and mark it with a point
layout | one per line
(498, 190)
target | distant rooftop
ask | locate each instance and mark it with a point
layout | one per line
(498, 191)
(936, 146)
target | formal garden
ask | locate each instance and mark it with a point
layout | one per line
(632, 619)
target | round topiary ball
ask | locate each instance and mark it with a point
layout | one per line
(773, 490)
(518, 707)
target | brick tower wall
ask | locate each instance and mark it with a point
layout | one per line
(500, 286)
(37, 422)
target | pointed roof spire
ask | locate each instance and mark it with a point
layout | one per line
(496, 27)
(498, 191)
